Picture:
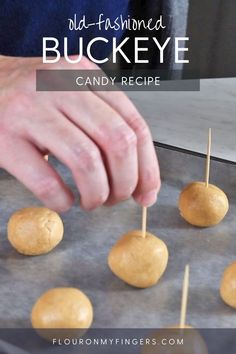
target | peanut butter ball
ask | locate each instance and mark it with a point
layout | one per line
(138, 261)
(203, 206)
(228, 285)
(34, 231)
(62, 308)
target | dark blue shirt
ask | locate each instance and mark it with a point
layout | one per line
(23, 24)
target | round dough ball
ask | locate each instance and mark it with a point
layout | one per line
(34, 231)
(193, 342)
(228, 285)
(138, 261)
(62, 308)
(203, 206)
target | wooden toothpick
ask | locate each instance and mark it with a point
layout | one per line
(208, 158)
(144, 222)
(184, 298)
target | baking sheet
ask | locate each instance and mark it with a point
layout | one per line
(81, 259)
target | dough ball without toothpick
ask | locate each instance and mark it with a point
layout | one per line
(61, 309)
(138, 261)
(203, 206)
(34, 231)
(228, 285)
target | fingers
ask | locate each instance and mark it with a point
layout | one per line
(113, 136)
(71, 146)
(149, 181)
(24, 162)
(148, 169)
(100, 136)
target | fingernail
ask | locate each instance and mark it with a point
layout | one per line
(148, 199)
(62, 203)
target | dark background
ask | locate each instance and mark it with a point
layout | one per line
(211, 27)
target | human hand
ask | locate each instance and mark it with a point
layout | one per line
(99, 136)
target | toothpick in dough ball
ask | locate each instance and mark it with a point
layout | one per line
(228, 285)
(139, 261)
(34, 231)
(203, 206)
(61, 309)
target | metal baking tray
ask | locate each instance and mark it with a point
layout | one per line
(81, 258)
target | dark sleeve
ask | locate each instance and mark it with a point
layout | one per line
(144, 10)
